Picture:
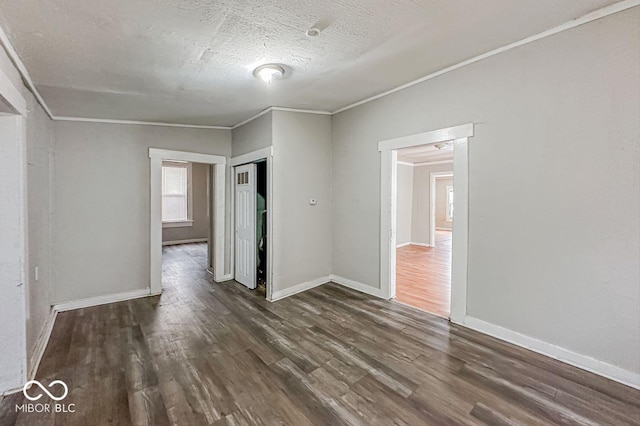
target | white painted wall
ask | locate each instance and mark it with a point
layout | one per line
(301, 232)
(102, 202)
(40, 187)
(13, 255)
(420, 232)
(34, 298)
(548, 114)
(404, 204)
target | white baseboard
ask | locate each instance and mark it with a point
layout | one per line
(227, 277)
(41, 344)
(101, 300)
(354, 285)
(299, 288)
(10, 391)
(421, 244)
(413, 244)
(584, 362)
(193, 240)
(443, 229)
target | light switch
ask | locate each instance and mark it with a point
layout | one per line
(313, 201)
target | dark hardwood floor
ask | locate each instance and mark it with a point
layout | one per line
(207, 353)
(423, 275)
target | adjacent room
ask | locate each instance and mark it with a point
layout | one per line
(424, 216)
(186, 221)
(319, 213)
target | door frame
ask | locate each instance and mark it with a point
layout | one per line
(156, 157)
(252, 157)
(388, 198)
(252, 170)
(432, 203)
(14, 281)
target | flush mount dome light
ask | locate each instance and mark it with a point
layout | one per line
(269, 72)
(442, 145)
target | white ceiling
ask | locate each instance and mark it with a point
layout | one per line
(426, 154)
(191, 61)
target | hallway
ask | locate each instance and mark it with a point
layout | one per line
(423, 275)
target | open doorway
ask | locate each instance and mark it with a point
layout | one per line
(186, 220)
(458, 138)
(251, 197)
(424, 219)
(216, 205)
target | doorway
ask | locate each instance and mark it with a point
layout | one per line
(14, 259)
(216, 205)
(251, 198)
(424, 220)
(458, 137)
(186, 221)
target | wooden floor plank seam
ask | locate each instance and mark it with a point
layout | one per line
(208, 353)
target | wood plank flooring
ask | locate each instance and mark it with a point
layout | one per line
(423, 275)
(207, 353)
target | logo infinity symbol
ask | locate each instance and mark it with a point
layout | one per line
(37, 397)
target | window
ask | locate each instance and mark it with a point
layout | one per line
(449, 217)
(176, 194)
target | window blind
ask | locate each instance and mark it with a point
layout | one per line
(174, 193)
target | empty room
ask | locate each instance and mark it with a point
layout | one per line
(319, 213)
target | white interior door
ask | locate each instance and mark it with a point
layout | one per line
(245, 196)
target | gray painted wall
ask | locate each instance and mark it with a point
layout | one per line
(548, 255)
(301, 158)
(200, 195)
(441, 203)
(404, 206)
(102, 202)
(301, 170)
(254, 135)
(420, 232)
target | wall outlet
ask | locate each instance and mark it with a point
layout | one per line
(36, 273)
(313, 201)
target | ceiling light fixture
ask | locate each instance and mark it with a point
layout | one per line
(441, 145)
(268, 72)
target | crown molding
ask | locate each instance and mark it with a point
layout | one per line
(253, 117)
(15, 59)
(592, 16)
(268, 110)
(425, 163)
(433, 163)
(589, 17)
(136, 122)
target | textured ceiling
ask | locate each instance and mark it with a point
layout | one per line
(425, 154)
(191, 61)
